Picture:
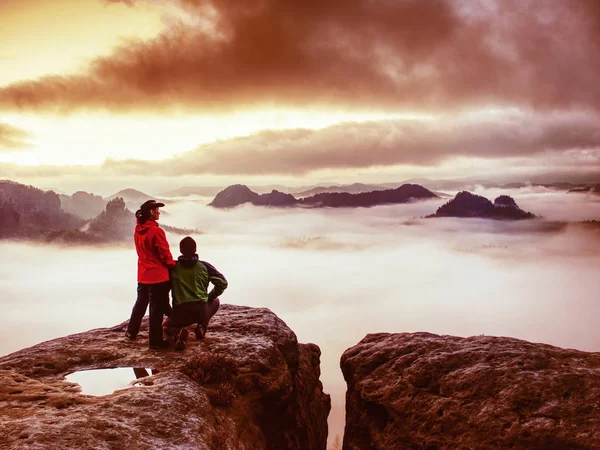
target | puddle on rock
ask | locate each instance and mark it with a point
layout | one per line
(106, 381)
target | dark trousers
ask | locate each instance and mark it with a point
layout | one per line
(157, 295)
(193, 312)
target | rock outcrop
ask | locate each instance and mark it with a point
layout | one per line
(354, 188)
(133, 196)
(403, 194)
(275, 198)
(271, 399)
(423, 391)
(82, 204)
(234, 195)
(115, 223)
(466, 204)
(589, 189)
(29, 212)
(505, 201)
(239, 194)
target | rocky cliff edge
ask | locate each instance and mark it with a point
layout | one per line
(423, 391)
(248, 385)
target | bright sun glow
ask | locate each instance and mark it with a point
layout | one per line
(44, 37)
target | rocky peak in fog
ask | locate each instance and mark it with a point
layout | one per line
(115, 223)
(505, 201)
(131, 195)
(466, 204)
(234, 195)
(82, 204)
(590, 189)
(240, 194)
(403, 194)
(26, 211)
(134, 198)
(421, 390)
(354, 188)
(248, 385)
(275, 198)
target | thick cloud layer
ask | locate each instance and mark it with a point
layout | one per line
(406, 54)
(12, 138)
(503, 148)
(573, 137)
(335, 275)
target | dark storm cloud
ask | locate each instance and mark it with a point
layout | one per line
(381, 54)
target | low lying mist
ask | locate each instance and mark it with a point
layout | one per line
(335, 275)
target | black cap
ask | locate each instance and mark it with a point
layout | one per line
(151, 204)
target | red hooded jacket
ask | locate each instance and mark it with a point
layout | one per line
(154, 255)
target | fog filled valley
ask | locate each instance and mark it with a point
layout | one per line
(334, 275)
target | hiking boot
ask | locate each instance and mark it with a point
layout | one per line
(200, 332)
(129, 336)
(180, 338)
(172, 338)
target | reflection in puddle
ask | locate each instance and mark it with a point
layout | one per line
(106, 381)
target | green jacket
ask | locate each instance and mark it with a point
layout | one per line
(190, 280)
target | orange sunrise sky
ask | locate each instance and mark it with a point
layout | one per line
(107, 94)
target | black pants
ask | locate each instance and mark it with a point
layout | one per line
(157, 295)
(193, 312)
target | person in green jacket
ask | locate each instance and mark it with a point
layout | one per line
(192, 302)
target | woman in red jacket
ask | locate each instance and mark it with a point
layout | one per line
(154, 261)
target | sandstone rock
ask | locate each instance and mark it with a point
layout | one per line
(354, 188)
(275, 198)
(134, 198)
(28, 211)
(115, 223)
(589, 189)
(234, 195)
(240, 194)
(423, 391)
(279, 401)
(82, 204)
(466, 204)
(505, 201)
(403, 194)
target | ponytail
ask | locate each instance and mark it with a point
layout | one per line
(142, 216)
